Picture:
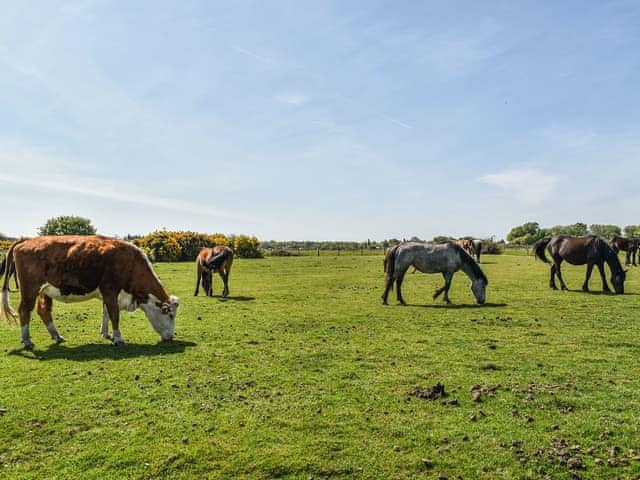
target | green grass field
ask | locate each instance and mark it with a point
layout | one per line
(302, 373)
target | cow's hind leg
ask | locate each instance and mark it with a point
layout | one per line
(45, 305)
(27, 303)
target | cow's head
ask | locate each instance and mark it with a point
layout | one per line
(162, 315)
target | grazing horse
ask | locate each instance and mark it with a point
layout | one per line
(446, 258)
(211, 260)
(591, 250)
(626, 244)
(477, 248)
(466, 244)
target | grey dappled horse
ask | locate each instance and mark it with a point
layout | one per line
(446, 258)
(591, 250)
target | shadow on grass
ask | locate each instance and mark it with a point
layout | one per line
(454, 306)
(600, 292)
(236, 299)
(95, 351)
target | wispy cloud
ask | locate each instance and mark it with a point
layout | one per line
(253, 55)
(393, 120)
(291, 98)
(525, 184)
(95, 188)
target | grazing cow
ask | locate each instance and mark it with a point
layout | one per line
(211, 260)
(76, 268)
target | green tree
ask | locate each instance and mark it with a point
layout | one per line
(605, 231)
(577, 230)
(525, 234)
(632, 230)
(67, 225)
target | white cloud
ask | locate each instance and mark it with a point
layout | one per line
(291, 98)
(525, 184)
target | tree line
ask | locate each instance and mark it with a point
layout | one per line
(530, 232)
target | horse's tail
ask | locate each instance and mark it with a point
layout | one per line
(539, 247)
(6, 312)
(216, 262)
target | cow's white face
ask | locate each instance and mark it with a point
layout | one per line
(162, 315)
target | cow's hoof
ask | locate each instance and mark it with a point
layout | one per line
(60, 339)
(106, 336)
(29, 346)
(118, 343)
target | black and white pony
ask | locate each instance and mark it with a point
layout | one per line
(446, 258)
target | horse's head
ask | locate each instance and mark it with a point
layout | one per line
(478, 287)
(617, 279)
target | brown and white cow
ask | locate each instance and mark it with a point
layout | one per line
(74, 268)
(210, 260)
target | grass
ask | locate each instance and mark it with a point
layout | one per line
(303, 373)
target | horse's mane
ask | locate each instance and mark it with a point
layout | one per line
(470, 262)
(609, 254)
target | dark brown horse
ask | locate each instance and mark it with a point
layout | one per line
(626, 244)
(211, 260)
(590, 250)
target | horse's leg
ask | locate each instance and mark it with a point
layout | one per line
(387, 288)
(207, 283)
(559, 274)
(585, 285)
(399, 287)
(448, 276)
(552, 282)
(605, 286)
(225, 278)
(198, 279)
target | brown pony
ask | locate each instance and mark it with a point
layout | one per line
(211, 260)
(626, 244)
(467, 245)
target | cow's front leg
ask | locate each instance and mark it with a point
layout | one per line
(111, 304)
(104, 331)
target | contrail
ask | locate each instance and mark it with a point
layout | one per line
(252, 55)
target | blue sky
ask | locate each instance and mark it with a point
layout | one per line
(319, 120)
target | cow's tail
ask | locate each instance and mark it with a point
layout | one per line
(6, 312)
(538, 249)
